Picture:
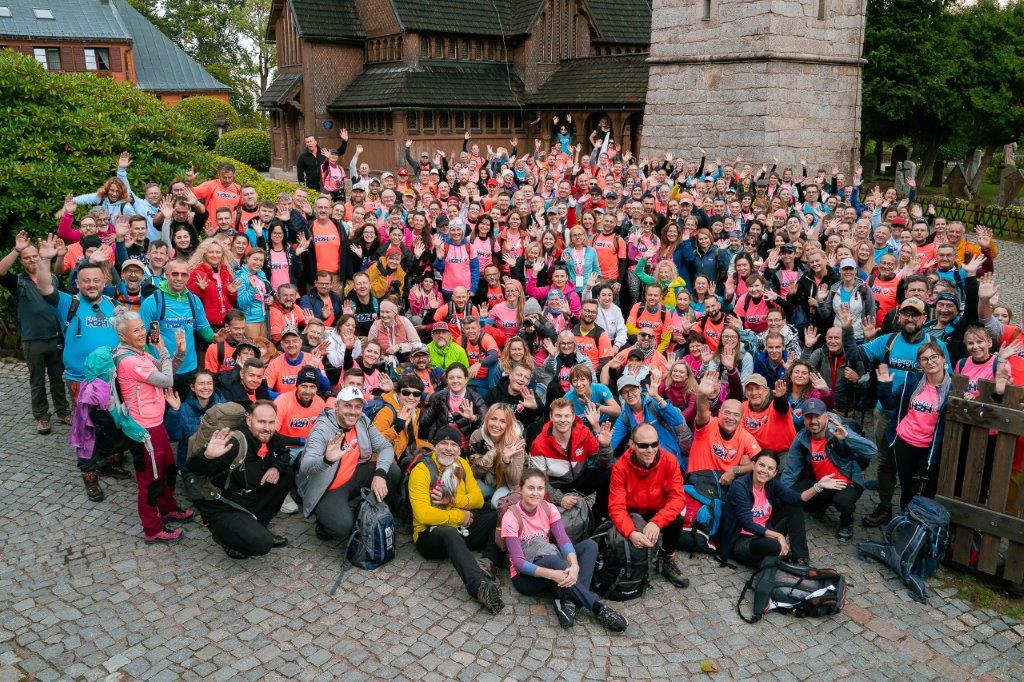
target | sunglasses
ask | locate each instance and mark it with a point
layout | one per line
(644, 335)
(646, 446)
(411, 392)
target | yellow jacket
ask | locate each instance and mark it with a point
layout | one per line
(379, 280)
(385, 423)
(965, 251)
(467, 498)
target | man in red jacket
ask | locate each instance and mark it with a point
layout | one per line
(647, 481)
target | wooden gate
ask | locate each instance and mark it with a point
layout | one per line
(976, 482)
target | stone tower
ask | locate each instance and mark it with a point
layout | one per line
(756, 78)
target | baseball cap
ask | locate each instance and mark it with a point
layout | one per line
(387, 174)
(686, 199)
(787, 248)
(243, 346)
(635, 354)
(359, 187)
(133, 261)
(756, 379)
(440, 327)
(898, 221)
(627, 381)
(847, 263)
(290, 329)
(492, 183)
(913, 303)
(447, 433)
(306, 375)
(434, 171)
(403, 171)
(552, 209)
(814, 407)
(419, 349)
(350, 393)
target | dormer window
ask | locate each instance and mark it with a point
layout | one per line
(42, 13)
(5, 11)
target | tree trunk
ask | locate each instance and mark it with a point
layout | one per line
(878, 156)
(986, 159)
(928, 158)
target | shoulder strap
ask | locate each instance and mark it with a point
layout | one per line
(960, 365)
(220, 355)
(161, 304)
(888, 347)
(73, 308)
(519, 518)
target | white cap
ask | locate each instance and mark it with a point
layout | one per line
(350, 393)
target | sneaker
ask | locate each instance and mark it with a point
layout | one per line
(880, 516)
(92, 486)
(279, 541)
(179, 516)
(43, 427)
(845, 533)
(289, 507)
(64, 419)
(114, 471)
(671, 571)
(166, 536)
(321, 532)
(489, 595)
(566, 611)
(612, 620)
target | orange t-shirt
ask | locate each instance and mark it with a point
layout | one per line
(595, 344)
(294, 420)
(821, 465)
(475, 352)
(281, 374)
(610, 248)
(713, 333)
(349, 460)
(215, 195)
(210, 359)
(326, 245)
(712, 452)
(770, 429)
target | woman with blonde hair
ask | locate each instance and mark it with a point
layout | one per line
(507, 316)
(211, 280)
(497, 454)
(679, 387)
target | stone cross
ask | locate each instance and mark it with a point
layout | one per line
(904, 171)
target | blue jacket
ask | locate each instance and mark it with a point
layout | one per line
(182, 423)
(850, 456)
(771, 374)
(590, 266)
(255, 309)
(899, 401)
(737, 514)
(901, 356)
(712, 263)
(665, 420)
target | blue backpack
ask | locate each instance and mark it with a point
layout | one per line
(372, 543)
(705, 504)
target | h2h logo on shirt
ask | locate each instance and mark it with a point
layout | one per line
(721, 452)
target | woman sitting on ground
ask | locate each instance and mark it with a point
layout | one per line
(538, 566)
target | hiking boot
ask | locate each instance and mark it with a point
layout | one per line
(114, 471)
(612, 620)
(165, 536)
(489, 595)
(880, 516)
(92, 486)
(64, 419)
(43, 427)
(289, 507)
(671, 572)
(178, 516)
(321, 532)
(278, 541)
(566, 611)
(845, 533)
(234, 553)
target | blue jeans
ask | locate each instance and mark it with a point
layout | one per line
(580, 593)
(486, 489)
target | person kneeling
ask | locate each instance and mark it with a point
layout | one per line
(447, 519)
(765, 518)
(647, 481)
(253, 492)
(538, 565)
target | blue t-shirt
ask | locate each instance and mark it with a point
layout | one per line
(177, 315)
(599, 395)
(90, 328)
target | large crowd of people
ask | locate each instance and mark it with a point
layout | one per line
(505, 342)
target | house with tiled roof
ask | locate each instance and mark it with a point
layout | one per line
(106, 37)
(431, 70)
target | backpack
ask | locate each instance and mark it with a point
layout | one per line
(372, 543)
(228, 415)
(704, 504)
(623, 571)
(915, 542)
(376, 405)
(787, 588)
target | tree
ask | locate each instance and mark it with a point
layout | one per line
(250, 21)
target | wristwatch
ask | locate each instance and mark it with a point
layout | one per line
(736, 471)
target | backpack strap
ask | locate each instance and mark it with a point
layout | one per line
(220, 355)
(76, 302)
(888, 347)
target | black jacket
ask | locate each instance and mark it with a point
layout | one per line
(307, 168)
(245, 488)
(739, 501)
(229, 384)
(438, 414)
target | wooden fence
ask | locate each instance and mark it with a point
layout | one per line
(976, 483)
(1004, 222)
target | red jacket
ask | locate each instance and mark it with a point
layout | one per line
(634, 489)
(215, 303)
(564, 464)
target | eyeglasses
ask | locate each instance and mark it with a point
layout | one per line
(646, 446)
(649, 223)
(929, 359)
(411, 392)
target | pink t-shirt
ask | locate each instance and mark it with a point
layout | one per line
(761, 511)
(536, 524)
(974, 371)
(456, 266)
(504, 317)
(279, 269)
(918, 425)
(147, 406)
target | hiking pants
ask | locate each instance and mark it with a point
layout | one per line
(155, 494)
(335, 511)
(911, 463)
(580, 593)
(886, 474)
(440, 542)
(845, 500)
(46, 365)
(244, 531)
(789, 520)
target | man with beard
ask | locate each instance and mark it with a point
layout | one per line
(344, 454)
(361, 304)
(219, 356)
(590, 338)
(827, 448)
(766, 414)
(654, 410)
(252, 492)
(899, 352)
(514, 390)
(711, 325)
(283, 370)
(244, 384)
(297, 412)
(419, 364)
(128, 292)
(646, 344)
(720, 443)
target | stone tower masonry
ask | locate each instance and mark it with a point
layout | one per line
(756, 78)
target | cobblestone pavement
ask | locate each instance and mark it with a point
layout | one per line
(82, 597)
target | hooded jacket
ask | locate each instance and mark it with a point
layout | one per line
(656, 490)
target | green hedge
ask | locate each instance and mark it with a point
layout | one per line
(201, 113)
(248, 145)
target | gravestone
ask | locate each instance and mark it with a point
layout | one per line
(1011, 180)
(905, 170)
(956, 183)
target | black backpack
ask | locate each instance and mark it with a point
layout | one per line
(915, 542)
(787, 588)
(623, 572)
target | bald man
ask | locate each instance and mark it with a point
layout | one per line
(720, 443)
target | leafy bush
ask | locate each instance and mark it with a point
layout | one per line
(201, 113)
(248, 145)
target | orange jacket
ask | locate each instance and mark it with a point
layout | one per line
(634, 489)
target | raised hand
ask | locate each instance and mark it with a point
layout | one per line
(984, 236)
(220, 444)
(303, 244)
(974, 264)
(202, 281)
(780, 388)
(844, 316)
(359, 149)
(818, 382)
(868, 325)
(604, 438)
(333, 451)
(710, 385)
(172, 399)
(124, 160)
(466, 410)
(883, 373)
(592, 414)
(987, 287)
(70, 205)
(22, 240)
(811, 336)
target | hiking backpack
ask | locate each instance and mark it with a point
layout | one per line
(915, 542)
(704, 506)
(623, 571)
(228, 415)
(787, 588)
(372, 543)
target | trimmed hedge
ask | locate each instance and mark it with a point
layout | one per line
(248, 145)
(201, 113)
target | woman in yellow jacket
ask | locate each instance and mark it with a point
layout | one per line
(448, 520)
(398, 420)
(387, 276)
